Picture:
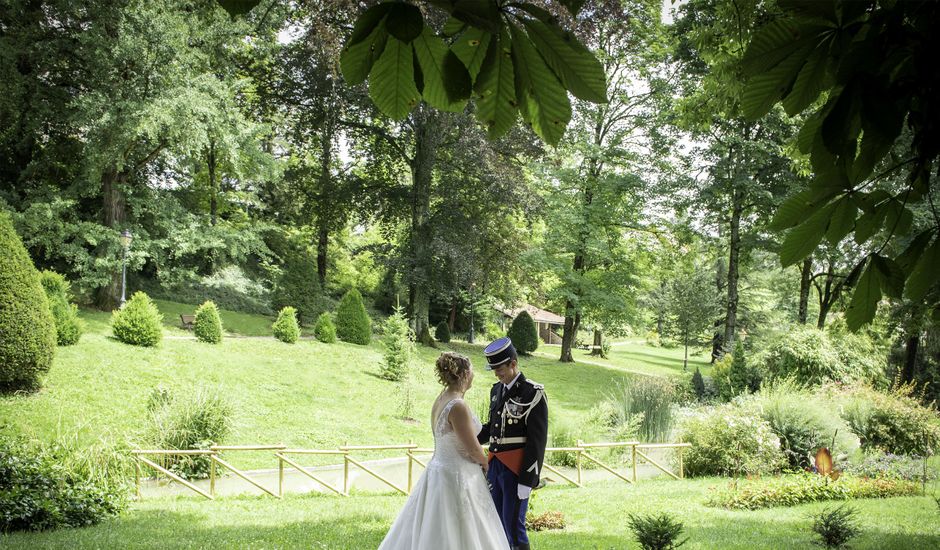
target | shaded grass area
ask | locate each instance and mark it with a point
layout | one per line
(638, 358)
(596, 518)
(309, 394)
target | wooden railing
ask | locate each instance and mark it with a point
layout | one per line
(582, 451)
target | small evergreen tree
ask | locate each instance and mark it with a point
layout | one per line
(27, 327)
(68, 326)
(325, 330)
(399, 346)
(698, 384)
(524, 335)
(442, 332)
(352, 322)
(208, 325)
(744, 379)
(286, 328)
(139, 322)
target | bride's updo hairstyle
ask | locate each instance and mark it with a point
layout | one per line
(451, 368)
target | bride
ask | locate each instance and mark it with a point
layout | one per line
(450, 507)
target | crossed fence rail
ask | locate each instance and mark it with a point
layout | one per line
(285, 456)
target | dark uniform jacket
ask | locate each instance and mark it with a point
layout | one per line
(519, 420)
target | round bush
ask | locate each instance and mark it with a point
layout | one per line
(352, 322)
(27, 327)
(139, 322)
(524, 335)
(812, 356)
(729, 441)
(442, 332)
(286, 328)
(892, 422)
(324, 329)
(208, 325)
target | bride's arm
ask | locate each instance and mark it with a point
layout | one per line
(462, 421)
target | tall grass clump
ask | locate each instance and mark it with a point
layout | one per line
(649, 396)
(194, 419)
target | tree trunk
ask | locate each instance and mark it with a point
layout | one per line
(731, 311)
(323, 243)
(213, 185)
(428, 134)
(805, 274)
(661, 311)
(685, 361)
(597, 350)
(114, 215)
(721, 275)
(910, 358)
(826, 299)
(452, 318)
(572, 321)
(325, 207)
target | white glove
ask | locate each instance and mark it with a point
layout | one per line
(524, 491)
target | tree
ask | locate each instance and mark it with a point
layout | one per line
(27, 328)
(691, 305)
(523, 333)
(875, 121)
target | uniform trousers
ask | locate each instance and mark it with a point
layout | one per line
(504, 486)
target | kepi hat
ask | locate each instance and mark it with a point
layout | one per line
(499, 352)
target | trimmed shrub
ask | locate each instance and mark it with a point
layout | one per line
(285, 327)
(299, 287)
(442, 332)
(139, 322)
(892, 422)
(794, 489)
(68, 326)
(324, 329)
(524, 335)
(399, 346)
(656, 531)
(196, 419)
(207, 325)
(811, 356)
(37, 492)
(729, 441)
(27, 327)
(352, 322)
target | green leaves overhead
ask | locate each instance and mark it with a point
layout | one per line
(873, 146)
(528, 68)
(392, 83)
(238, 7)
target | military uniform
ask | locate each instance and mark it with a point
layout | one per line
(516, 432)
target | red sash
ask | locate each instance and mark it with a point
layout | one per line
(511, 459)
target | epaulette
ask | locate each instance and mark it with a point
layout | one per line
(535, 384)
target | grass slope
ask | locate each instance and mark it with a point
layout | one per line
(308, 394)
(596, 517)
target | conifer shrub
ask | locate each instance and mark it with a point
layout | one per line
(835, 527)
(68, 326)
(442, 332)
(324, 329)
(698, 384)
(207, 325)
(285, 327)
(524, 335)
(27, 327)
(656, 531)
(352, 322)
(399, 346)
(139, 322)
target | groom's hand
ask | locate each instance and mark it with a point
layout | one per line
(524, 491)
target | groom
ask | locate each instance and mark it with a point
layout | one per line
(516, 432)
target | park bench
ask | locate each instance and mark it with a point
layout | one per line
(187, 321)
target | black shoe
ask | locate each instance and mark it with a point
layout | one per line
(521, 547)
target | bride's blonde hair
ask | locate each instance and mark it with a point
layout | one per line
(451, 367)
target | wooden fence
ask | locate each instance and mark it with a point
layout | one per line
(289, 457)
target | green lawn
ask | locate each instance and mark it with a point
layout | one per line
(308, 394)
(596, 518)
(637, 357)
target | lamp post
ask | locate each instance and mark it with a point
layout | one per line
(470, 334)
(126, 239)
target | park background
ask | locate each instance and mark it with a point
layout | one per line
(295, 249)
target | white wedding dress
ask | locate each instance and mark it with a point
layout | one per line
(450, 507)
